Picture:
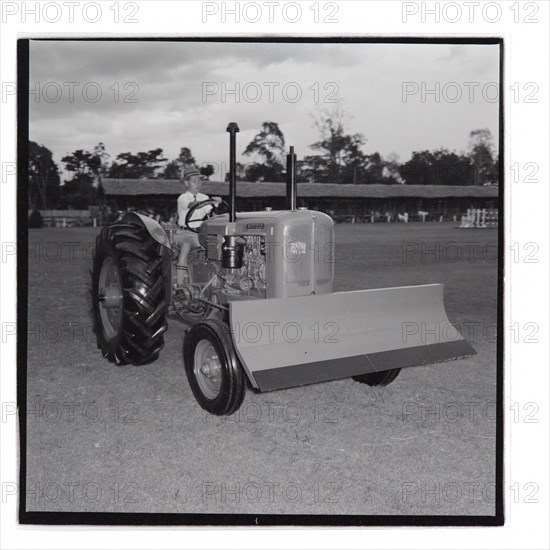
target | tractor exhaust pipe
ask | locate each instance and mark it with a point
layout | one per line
(291, 180)
(232, 128)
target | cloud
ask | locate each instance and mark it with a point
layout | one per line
(167, 82)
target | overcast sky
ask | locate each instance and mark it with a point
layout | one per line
(167, 106)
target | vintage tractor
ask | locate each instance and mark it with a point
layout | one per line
(259, 303)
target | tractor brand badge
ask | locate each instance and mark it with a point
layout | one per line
(297, 248)
(254, 225)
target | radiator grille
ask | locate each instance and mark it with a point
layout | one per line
(325, 254)
(297, 255)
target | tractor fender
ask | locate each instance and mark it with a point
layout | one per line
(159, 235)
(153, 228)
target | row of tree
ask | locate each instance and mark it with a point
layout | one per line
(339, 158)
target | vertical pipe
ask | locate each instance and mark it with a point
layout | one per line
(232, 128)
(291, 180)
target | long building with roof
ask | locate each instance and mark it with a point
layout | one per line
(342, 201)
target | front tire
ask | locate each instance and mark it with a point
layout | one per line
(213, 369)
(382, 378)
(128, 295)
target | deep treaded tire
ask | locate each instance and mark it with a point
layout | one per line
(378, 378)
(213, 369)
(128, 295)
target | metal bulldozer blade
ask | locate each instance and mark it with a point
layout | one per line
(287, 342)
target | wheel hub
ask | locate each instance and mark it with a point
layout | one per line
(110, 297)
(207, 368)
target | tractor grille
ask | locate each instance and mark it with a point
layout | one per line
(325, 254)
(297, 255)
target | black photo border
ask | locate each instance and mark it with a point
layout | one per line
(202, 519)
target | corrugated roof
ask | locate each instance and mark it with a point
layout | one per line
(132, 187)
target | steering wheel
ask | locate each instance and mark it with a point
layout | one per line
(200, 204)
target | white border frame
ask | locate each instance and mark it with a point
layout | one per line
(526, 286)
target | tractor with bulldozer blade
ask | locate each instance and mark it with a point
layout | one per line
(259, 305)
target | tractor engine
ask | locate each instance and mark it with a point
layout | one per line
(247, 256)
(272, 254)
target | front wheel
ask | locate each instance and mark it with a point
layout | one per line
(382, 378)
(213, 369)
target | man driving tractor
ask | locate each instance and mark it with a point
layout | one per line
(185, 239)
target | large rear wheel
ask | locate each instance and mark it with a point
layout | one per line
(213, 369)
(128, 295)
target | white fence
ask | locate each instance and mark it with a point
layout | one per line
(67, 218)
(480, 218)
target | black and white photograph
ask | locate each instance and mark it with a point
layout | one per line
(263, 281)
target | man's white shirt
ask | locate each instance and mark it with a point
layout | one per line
(184, 200)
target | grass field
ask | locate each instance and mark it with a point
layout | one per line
(133, 439)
